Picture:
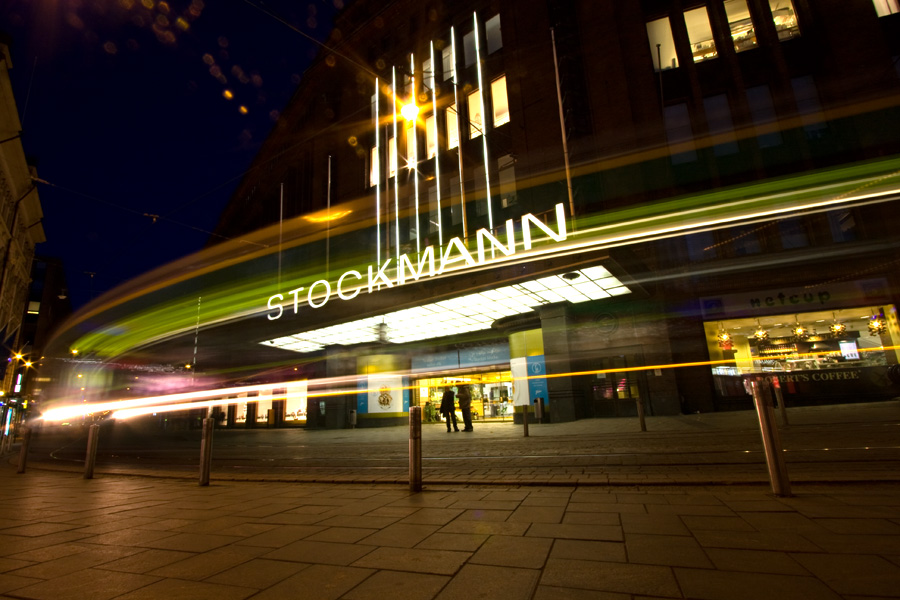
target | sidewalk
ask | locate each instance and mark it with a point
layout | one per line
(131, 538)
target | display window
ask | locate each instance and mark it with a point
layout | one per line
(839, 355)
(491, 395)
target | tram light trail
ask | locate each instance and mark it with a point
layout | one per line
(300, 389)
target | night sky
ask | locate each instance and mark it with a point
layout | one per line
(125, 114)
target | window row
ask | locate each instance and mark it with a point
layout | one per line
(761, 107)
(475, 106)
(700, 31)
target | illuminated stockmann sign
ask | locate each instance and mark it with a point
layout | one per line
(453, 257)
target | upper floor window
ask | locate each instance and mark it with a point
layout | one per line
(392, 157)
(884, 8)
(743, 34)
(500, 101)
(492, 33)
(427, 75)
(762, 111)
(452, 127)
(785, 19)
(447, 61)
(718, 117)
(662, 45)
(476, 122)
(469, 52)
(373, 167)
(430, 136)
(679, 134)
(700, 34)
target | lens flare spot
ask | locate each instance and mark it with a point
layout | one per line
(182, 24)
(274, 114)
(208, 59)
(243, 110)
(227, 94)
(163, 7)
(110, 48)
(352, 140)
(162, 20)
(330, 60)
(147, 3)
(257, 80)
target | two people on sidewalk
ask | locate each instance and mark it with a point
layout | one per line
(465, 407)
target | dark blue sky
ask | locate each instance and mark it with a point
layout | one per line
(124, 111)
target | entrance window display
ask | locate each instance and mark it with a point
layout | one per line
(491, 395)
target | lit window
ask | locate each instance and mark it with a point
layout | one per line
(679, 134)
(500, 102)
(447, 61)
(785, 19)
(476, 122)
(662, 45)
(34, 307)
(762, 111)
(469, 49)
(492, 33)
(718, 117)
(411, 152)
(430, 136)
(740, 23)
(392, 157)
(884, 8)
(452, 127)
(373, 167)
(427, 75)
(703, 46)
(506, 168)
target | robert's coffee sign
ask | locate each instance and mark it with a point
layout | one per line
(452, 257)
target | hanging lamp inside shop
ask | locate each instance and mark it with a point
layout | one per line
(877, 325)
(837, 329)
(799, 331)
(760, 334)
(724, 339)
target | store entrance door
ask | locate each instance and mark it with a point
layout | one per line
(616, 390)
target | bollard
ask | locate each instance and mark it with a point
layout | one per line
(778, 475)
(206, 449)
(415, 448)
(91, 456)
(23, 451)
(539, 409)
(525, 418)
(780, 397)
(640, 413)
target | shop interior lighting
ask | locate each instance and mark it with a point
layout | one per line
(465, 314)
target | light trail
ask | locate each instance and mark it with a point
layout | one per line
(129, 408)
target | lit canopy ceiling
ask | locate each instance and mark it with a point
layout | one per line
(473, 312)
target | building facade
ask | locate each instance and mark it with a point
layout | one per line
(20, 231)
(605, 205)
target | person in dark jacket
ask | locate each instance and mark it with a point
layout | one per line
(448, 410)
(465, 406)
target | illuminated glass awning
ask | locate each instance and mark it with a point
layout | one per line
(473, 312)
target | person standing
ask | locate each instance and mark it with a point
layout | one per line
(448, 410)
(465, 406)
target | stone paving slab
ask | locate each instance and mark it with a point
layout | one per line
(134, 538)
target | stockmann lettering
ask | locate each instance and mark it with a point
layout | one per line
(453, 256)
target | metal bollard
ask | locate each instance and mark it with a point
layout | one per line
(415, 448)
(91, 456)
(525, 418)
(780, 397)
(23, 451)
(640, 413)
(539, 409)
(778, 475)
(206, 449)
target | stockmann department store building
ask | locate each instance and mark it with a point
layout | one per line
(596, 204)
